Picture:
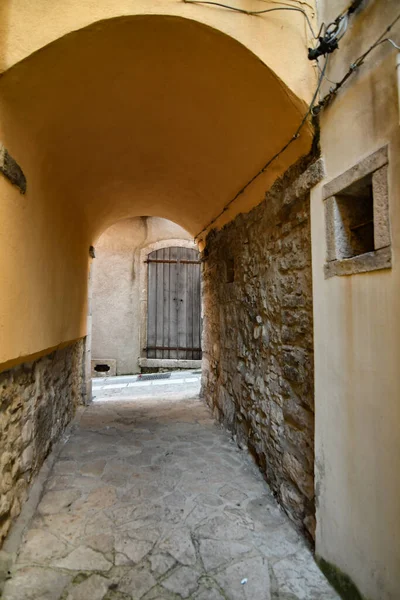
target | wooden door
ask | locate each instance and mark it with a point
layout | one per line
(174, 304)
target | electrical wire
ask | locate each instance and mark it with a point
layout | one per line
(354, 66)
(333, 33)
(294, 137)
(325, 77)
(256, 12)
(390, 42)
(288, 3)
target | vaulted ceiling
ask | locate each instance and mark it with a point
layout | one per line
(148, 115)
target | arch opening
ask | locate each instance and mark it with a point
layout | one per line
(149, 114)
(145, 303)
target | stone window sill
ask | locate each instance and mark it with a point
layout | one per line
(363, 263)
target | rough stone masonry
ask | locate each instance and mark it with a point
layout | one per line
(258, 337)
(37, 400)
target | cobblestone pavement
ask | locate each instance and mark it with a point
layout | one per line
(151, 500)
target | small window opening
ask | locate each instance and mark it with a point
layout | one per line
(354, 219)
(357, 224)
(102, 368)
(230, 270)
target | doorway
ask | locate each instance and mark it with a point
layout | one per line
(174, 304)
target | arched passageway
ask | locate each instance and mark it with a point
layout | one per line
(171, 108)
(140, 115)
(147, 114)
(150, 114)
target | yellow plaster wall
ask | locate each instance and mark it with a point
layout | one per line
(138, 115)
(278, 38)
(357, 333)
(161, 109)
(4, 10)
(43, 275)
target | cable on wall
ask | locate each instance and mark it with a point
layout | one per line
(328, 38)
(256, 12)
(391, 42)
(354, 66)
(329, 41)
(304, 120)
(277, 155)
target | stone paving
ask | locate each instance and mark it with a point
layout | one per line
(178, 384)
(151, 500)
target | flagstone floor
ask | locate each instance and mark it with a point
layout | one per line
(150, 499)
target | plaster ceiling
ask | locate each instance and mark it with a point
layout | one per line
(148, 115)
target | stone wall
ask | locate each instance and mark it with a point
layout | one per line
(37, 400)
(258, 338)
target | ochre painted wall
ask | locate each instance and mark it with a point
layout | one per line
(156, 115)
(43, 275)
(357, 332)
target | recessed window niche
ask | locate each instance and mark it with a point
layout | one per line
(357, 218)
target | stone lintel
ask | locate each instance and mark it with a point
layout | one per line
(370, 261)
(366, 166)
(307, 180)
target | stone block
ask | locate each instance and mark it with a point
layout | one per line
(371, 261)
(295, 471)
(27, 432)
(27, 459)
(83, 559)
(381, 208)
(311, 525)
(307, 180)
(330, 229)
(5, 503)
(292, 500)
(94, 587)
(103, 367)
(294, 373)
(293, 301)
